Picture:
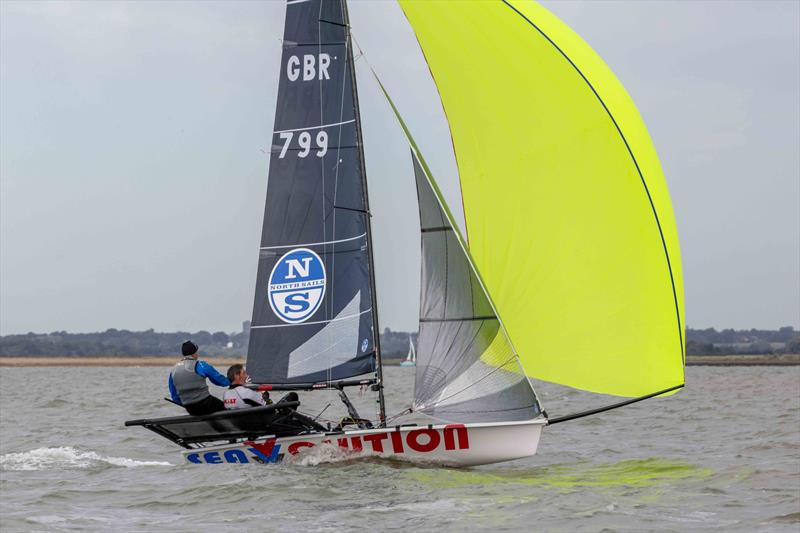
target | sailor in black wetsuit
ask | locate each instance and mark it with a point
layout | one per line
(187, 383)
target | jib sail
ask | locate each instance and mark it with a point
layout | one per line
(467, 369)
(313, 315)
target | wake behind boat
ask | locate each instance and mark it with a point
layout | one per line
(568, 218)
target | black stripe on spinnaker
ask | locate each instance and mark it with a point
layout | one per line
(635, 163)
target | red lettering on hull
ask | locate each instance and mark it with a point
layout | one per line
(424, 440)
(294, 448)
(397, 442)
(376, 439)
(432, 440)
(265, 447)
(463, 437)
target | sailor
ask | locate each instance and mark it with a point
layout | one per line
(187, 383)
(238, 396)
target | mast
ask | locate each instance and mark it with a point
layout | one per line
(375, 322)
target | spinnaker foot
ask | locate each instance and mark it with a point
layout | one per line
(598, 410)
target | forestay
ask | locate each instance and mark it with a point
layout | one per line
(313, 310)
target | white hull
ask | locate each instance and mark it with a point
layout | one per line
(446, 444)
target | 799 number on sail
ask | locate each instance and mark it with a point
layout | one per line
(304, 141)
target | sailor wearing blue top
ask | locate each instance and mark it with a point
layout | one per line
(187, 383)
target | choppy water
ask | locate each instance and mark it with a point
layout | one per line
(722, 455)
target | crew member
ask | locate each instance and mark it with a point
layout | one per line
(187, 383)
(238, 396)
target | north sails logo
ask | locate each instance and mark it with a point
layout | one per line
(297, 285)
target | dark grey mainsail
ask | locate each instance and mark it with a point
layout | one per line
(314, 311)
(467, 370)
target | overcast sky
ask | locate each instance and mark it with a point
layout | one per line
(132, 176)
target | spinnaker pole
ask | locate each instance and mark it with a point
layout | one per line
(375, 322)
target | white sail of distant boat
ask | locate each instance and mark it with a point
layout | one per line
(411, 358)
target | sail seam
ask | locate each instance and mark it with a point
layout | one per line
(315, 127)
(462, 319)
(635, 163)
(309, 323)
(488, 374)
(293, 44)
(314, 243)
(278, 148)
(334, 23)
(439, 228)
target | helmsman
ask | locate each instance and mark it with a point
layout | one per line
(238, 396)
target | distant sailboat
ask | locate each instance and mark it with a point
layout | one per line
(568, 225)
(411, 358)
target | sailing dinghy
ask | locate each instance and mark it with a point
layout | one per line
(568, 268)
(411, 358)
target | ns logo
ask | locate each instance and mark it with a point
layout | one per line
(297, 285)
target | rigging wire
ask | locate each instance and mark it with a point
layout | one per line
(406, 411)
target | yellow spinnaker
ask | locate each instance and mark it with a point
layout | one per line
(568, 215)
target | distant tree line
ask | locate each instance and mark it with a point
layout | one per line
(394, 344)
(709, 341)
(121, 342)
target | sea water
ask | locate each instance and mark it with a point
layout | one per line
(721, 455)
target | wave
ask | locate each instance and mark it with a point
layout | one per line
(66, 457)
(324, 453)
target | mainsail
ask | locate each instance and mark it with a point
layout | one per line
(314, 310)
(568, 218)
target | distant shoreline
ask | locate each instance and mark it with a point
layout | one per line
(108, 361)
(691, 360)
(743, 360)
